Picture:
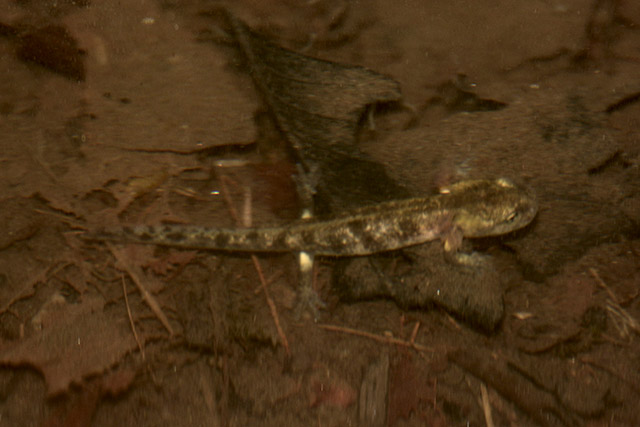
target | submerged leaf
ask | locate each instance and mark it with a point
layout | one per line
(318, 105)
(54, 48)
(83, 341)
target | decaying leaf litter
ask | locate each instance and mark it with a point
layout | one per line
(589, 199)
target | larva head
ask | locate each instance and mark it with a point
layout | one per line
(489, 207)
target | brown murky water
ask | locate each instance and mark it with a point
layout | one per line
(162, 127)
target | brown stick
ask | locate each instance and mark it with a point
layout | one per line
(133, 327)
(379, 338)
(136, 275)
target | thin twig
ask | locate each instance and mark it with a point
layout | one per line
(414, 333)
(486, 407)
(603, 285)
(133, 327)
(136, 276)
(271, 304)
(270, 280)
(224, 180)
(379, 338)
(246, 208)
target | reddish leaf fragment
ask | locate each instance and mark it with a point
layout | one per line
(331, 392)
(85, 341)
(162, 266)
(55, 49)
(79, 413)
(409, 390)
(117, 382)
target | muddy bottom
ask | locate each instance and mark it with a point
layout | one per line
(143, 115)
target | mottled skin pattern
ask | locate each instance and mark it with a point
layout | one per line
(474, 208)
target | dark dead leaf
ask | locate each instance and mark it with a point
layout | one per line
(77, 413)
(503, 375)
(80, 408)
(457, 96)
(318, 105)
(17, 220)
(84, 341)
(7, 30)
(172, 260)
(421, 277)
(55, 49)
